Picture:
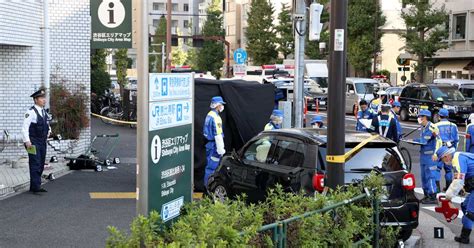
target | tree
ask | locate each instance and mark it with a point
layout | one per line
(100, 79)
(425, 32)
(179, 56)
(159, 38)
(261, 36)
(285, 39)
(211, 56)
(191, 58)
(364, 21)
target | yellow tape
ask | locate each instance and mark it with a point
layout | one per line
(348, 155)
(114, 120)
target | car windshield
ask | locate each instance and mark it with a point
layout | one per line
(366, 88)
(321, 81)
(447, 93)
(467, 92)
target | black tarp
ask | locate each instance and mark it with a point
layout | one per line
(248, 108)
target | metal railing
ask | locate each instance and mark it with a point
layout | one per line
(279, 228)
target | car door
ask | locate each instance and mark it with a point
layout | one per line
(413, 102)
(351, 97)
(284, 167)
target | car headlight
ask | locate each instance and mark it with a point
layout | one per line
(449, 107)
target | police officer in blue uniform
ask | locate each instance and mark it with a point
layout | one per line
(364, 113)
(317, 122)
(448, 133)
(275, 120)
(430, 142)
(213, 132)
(384, 124)
(462, 164)
(394, 114)
(35, 132)
(469, 144)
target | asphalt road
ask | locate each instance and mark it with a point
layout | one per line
(66, 216)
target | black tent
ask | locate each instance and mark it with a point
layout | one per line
(248, 108)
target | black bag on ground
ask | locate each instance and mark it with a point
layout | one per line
(83, 162)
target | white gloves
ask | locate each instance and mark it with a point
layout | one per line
(220, 144)
(454, 188)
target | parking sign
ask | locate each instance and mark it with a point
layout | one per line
(240, 56)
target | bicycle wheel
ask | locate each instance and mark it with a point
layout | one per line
(107, 112)
(406, 157)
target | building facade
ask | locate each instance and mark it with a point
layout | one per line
(22, 66)
(183, 17)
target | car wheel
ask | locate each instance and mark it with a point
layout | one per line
(219, 191)
(404, 115)
(405, 234)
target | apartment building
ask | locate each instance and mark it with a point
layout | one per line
(183, 20)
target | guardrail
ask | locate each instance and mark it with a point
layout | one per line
(279, 228)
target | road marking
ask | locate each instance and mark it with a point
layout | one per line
(125, 195)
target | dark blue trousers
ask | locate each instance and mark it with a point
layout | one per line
(36, 164)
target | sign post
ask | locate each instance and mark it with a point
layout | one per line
(111, 23)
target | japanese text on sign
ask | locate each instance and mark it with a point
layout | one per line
(169, 114)
(170, 86)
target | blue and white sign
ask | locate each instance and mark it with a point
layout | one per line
(170, 114)
(168, 86)
(171, 209)
(240, 56)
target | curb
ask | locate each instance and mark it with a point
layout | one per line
(413, 242)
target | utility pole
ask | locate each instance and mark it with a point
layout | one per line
(163, 57)
(299, 17)
(375, 35)
(168, 35)
(336, 94)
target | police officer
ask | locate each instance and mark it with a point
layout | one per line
(365, 113)
(469, 144)
(462, 164)
(394, 114)
(385, 125)
(276, 119)
(35, 132)
(448, 133)
(379, 98)
(214, 134)
(317, 122)
(430, 142)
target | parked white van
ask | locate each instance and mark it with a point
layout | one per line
(358, 89)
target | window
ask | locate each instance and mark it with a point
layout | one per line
(349, 87)
(156, 22)
(259, 151)
(447, 93)
(186, 24)
(175, 7)
(288, 153)
(424, 94)
(158, 6)
(174, 23)
(459, 24)
(186, 7)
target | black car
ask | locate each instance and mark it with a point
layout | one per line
(295, 158)
(433, 97)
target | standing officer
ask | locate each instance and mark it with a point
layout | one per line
(470, 134)
(379, 98)
(275, 120)
(430, 142)
(448, 133)
(384, 124)
(463, 167)
(365, 113)
(35, 133)
(317, 122)
(214, 134)
(394, 114)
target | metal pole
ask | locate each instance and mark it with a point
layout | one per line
(142, 110)
(375, 35)
(336, 93)
(163, 58)
(300, 19)
(46, 60)
(168, 35)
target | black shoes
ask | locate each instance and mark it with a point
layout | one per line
(464, 238)
(429, 199)
(41, 190)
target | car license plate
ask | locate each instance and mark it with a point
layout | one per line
(322, 102)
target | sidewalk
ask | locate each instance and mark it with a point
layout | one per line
(17, 179)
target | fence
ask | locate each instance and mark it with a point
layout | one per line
(279, 228)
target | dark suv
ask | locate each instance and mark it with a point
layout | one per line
(295, 158)
(434, 97)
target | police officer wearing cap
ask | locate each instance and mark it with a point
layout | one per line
(462, 164)
(35, 132)
(385, 125)
(394, 114)
(317, 122)
(275, 120)
(448, 133)
(365, 113)
(469, 144)
(430, 142)
(213, 132)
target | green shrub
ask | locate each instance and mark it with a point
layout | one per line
(234, 223)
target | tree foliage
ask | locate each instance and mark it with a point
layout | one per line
(211, 56)
(100, 79)
(364, 21)
(155, 61)
(261, 36)
(425, 32)
(121, 63)
(285, 39)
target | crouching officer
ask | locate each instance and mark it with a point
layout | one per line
(462, 164)
(214, 134)
(35, 132)
(430, 142)
(365, 113)
(448, 132)
(385, 125)
(276, 119)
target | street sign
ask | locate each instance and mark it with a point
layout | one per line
(240, 70)
(240, 56)
(403, 61)
(170, 139)
(111, 23)
(404, 68)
